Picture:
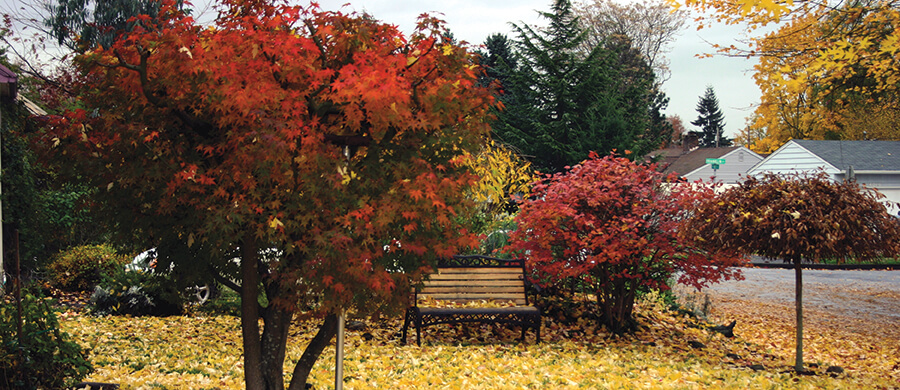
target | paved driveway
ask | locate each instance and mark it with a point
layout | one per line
(869, 296)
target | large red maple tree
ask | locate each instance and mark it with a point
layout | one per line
(327, 149)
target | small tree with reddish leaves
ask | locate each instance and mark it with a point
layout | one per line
(611, 225)
(797, 217)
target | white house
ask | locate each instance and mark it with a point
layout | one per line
(875, 164)
(692, 165)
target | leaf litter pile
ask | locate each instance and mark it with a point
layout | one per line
(671, 351)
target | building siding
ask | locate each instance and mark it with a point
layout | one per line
(792, 157)
(737, 163)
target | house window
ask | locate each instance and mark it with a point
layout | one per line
(741, 156)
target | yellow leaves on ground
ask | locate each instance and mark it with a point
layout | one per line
(870, 353)
(177, 352)
(205, 353)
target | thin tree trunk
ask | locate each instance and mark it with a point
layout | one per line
(276, 323)
(313, 350)
(798, 272)
(250, 314)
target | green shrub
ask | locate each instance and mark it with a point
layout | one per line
(137, 293)
(81, 268)
(45, 358)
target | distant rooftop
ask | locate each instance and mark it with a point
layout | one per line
(861, 155)
(695, 159)
(8, 83)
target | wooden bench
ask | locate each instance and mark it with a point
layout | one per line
(466, 279)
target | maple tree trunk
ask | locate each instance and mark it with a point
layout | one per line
(264, 356)
(313, 350)
(250, 314)
(616, 302)
(276, 323)
(798, 272)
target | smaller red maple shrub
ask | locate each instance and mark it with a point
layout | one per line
(796, 217)
(611, 226)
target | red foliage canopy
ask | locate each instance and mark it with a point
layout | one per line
(613, 224)
(799, 215)
(326, 135)
(329, 137)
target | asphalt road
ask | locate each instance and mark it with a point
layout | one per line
(871, 296)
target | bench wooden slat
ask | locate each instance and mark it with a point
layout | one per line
(480, 310)
(462, 301)
(480, 270)
(465, 300)
(473, 289)
(498, 283)
(475, 277)
(476, 296)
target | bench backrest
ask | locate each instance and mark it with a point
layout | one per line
(466, 281)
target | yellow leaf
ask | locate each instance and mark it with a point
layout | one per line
(275, 223)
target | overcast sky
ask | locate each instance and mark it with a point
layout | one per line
(474, 20)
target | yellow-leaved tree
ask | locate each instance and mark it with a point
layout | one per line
(827, 71)
(505, 178)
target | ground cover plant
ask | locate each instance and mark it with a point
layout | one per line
(138, 353)
(34, 352)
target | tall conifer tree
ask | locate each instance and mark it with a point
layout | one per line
(566, 103)
(711, 121)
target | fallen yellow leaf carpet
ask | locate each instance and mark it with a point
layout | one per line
(670, 352)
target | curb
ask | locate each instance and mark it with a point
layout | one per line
(842, 267)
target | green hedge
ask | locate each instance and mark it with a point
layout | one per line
(83, 267)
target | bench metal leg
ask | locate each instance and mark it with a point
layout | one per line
(405, 327)
(419, 331)
(537, 330)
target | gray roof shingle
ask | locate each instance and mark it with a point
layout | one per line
(696, 159)
(861, 155)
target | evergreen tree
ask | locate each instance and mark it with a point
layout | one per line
(711, 121)
(498, 61)
(96, 23)
(500, 64)
(562, 103)
(549, 84)
(638, 86)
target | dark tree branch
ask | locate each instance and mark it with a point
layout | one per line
(32, 71)
(223, 280)
(200, 127)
